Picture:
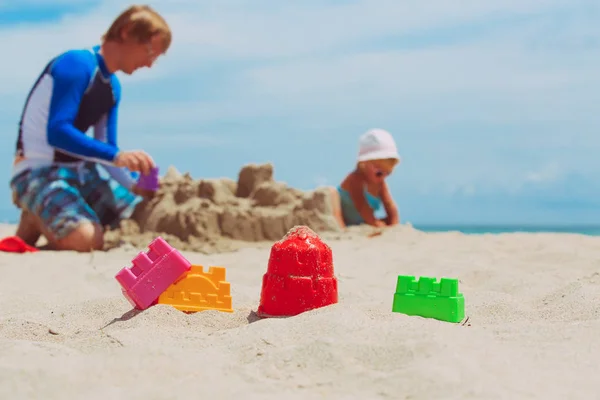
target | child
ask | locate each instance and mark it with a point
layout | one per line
(55, 179)
(364, 190)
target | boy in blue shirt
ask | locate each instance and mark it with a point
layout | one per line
(55, 180)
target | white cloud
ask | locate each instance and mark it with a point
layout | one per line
(275, 32)
(26, 4)
(507, 75)
(548, 173)
(270, 28)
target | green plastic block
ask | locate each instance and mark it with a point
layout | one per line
(429, 298)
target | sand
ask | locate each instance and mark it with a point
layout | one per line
(216, 215)
(66, 331)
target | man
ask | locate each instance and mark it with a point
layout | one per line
(55, 179)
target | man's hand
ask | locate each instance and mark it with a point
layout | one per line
(137, 160)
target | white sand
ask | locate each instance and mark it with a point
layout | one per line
(532, 301)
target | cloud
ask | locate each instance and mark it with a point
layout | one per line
(269, 28)
(275, 33)
(27, 5)
(509, 74)
(549, 173)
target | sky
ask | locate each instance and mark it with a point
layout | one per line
(493, 104)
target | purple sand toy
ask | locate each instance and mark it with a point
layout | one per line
(149, 182)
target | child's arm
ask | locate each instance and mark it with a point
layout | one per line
(71, 75)
(393, 217)
(106, 131)
(357, 194)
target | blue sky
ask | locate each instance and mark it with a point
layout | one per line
(493, 104)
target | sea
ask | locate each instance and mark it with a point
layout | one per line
(474, 229)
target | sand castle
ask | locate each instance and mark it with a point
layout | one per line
(212, 214)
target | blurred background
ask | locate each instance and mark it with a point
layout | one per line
(494, 105)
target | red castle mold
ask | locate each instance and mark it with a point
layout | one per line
(299, 276)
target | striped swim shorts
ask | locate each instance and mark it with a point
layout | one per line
(65, 196)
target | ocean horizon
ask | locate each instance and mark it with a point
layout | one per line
(480, 229)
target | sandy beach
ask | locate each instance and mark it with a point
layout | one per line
(66, 331)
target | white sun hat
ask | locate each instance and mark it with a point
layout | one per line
(376, 144)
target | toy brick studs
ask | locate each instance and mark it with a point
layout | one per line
(429, 298)
(151, 273)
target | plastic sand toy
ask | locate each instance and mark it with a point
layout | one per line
(429, 298)
(299, 275)
(149, 182)
(152, 273)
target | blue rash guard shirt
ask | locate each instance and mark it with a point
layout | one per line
(74, 92)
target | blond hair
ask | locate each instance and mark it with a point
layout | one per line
(141, 23)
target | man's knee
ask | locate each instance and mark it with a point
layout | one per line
(86, 237)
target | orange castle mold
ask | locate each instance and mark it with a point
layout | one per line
(199, 291)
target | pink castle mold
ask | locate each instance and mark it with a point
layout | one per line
(152, 273)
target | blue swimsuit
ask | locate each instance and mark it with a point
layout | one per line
(349, 211)
(55, 173)
(74, 93)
